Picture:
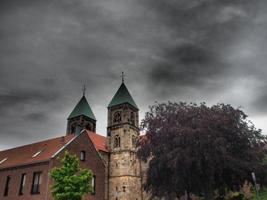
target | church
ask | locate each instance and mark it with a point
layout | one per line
(118, 173)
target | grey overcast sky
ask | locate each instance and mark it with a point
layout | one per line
(179, 50)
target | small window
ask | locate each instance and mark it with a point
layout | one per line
(78, 130)
(133, 140)
(37, 153)
(82, 156)
(7, 185)
(117, 117)
(72, 130)
(117, 141)
(93, 185)
(132, 118)
(3, 160)
(89, 127)
(37, 180)
(22, 184)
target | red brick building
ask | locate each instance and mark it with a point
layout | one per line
(24, 171)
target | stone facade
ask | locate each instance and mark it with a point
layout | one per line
(124, 167)
(75, 125)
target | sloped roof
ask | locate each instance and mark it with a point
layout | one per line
(23, 155)
(82, 108)
(99, 141)
(122, 96)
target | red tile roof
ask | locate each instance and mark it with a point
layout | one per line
(99, 141)
(23, 155)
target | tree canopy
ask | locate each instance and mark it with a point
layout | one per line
(199, 149)
(70, 181)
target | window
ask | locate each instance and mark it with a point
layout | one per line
(132, 118)
(109, 133)
(78, 130)
(117, 141)
(133, 141)
(7, 185)
(82, 156)
(117, 117)
(93, 185)
(37, 153)
(3, 160)
(72, 129)
(22, 183)
(88, 127)
(36, 182)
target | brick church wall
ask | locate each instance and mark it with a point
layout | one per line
(92, 162)
(15, 174)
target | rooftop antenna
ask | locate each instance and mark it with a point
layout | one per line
(84, 89)
(122, 77)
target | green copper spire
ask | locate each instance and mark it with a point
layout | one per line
(82, 108)
(122, 96)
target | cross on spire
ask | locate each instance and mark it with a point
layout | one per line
(84, 89)
(122, 77)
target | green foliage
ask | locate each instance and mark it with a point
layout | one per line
(70, 181)
(262, 194)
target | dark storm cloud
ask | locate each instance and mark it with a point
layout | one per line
(36, 117)
(192, 50)
(205, 34)
(187, 64)
(15, 97)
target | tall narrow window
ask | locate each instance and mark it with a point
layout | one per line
(73, 128)
(133, 141)
(93, 185)
(132, 118)
(82, 156)
(7, 185)
(36, 182)
(117, 141)
(88, 127)
(22, 183)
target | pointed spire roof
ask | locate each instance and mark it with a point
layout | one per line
(122, 96)
(82, 108)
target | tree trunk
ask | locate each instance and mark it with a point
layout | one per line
(208, 194)
(188, 195)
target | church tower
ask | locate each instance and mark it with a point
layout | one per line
(122, 130)
(82, 117)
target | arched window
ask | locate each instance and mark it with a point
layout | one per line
(117, 141)
(73, 128)
(93, 185)
(133, 140)
(82, 155)
(132, 118)
(117, 117)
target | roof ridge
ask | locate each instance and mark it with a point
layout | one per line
(95, 133)
(43, 141)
